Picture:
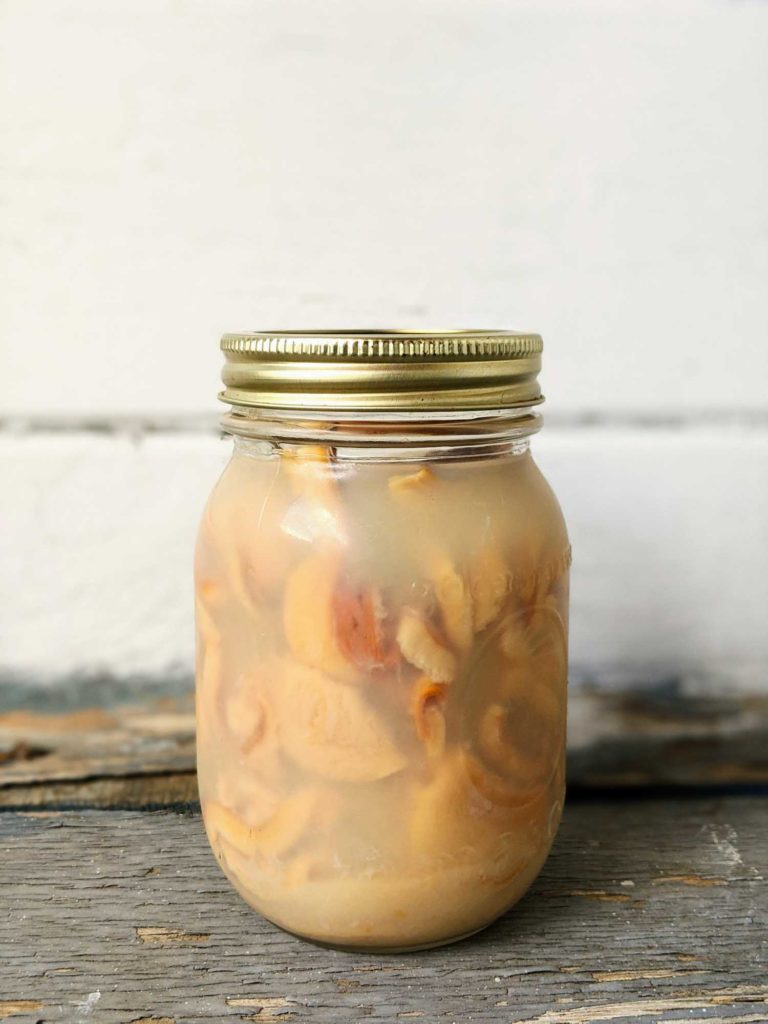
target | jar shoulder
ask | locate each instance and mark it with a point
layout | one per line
(305, 497)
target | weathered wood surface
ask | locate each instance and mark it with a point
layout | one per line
(140, 754)
(646, 911)
(99, 756)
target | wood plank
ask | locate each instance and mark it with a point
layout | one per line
(645, 911)
(134, 739)
(142, 754)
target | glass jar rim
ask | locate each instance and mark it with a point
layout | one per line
(384, 429)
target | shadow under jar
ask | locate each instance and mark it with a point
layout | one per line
(382, 599)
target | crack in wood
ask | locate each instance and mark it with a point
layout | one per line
(267, 1008)
(266, 1015)
(23, 751)
(602, 895)
(147, 791)
(261, 1002)
(170, 936)
(151, 1020)
(643, 975)
(695, 880)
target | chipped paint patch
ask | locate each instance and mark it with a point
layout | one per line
(84, 720)
(697, 880)
(653, 1007)
(171, 937)
(641, 975)
(12, 1007)
(268, 1008)
(725, 838)
(261, 1001)
(598, 894)
(347, 984)
(88, 1005)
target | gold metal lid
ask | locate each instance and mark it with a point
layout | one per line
(381, 370)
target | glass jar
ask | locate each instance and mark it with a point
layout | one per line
(382, 599)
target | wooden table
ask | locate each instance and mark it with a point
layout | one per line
(652, 906)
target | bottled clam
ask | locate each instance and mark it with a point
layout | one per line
(382, 606)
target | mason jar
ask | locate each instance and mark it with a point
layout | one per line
(382, 606)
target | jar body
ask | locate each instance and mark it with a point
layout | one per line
(381, 686)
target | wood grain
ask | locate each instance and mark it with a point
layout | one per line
(645, 911)
(142, 754)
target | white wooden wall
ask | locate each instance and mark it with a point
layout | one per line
(595, 171)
